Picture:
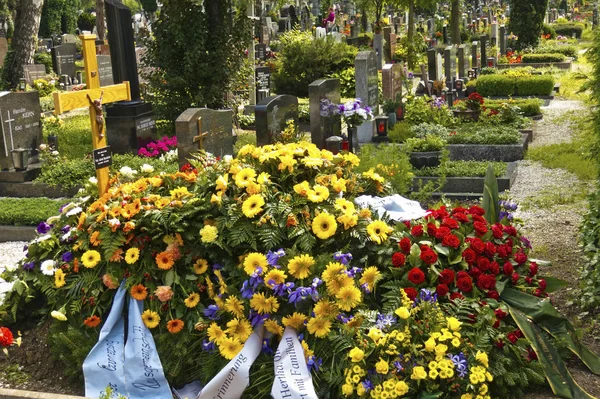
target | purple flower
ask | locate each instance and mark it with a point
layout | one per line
(353, 272)
(460, 362)
(314, 363)
(299, 295)
(344, 319)
(67, 257)
(211, 312)
(43, 228)
(384, 321)
(273, 257)
(217, 266)
(368, 385)
(266, 348)
(526, 242)
(344, 259)
(65, 229)
(25, 248)
(398, 366)
(282, 289)
(256, 318)
(29, 266)
(425, 296)
(208, 346)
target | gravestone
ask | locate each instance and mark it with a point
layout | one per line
(69, 38)
(378, 48)
(367, 89)
(450, 66)
(272, 115)
(33, 72)
(431, 63)
(3, 49)
(494, 33)
(392, 81)
(264, 37)
(322, 127)
(463, 60)
(263, 83)
(502, 39)
(445, 34)
(260, 51)
(439, 66)
(45, 45)
(483, 41)
(105, 70)
(475, 54)
(21, 128)
(213, 133)
(63, 59)
(354, 30)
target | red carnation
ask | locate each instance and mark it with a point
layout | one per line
(515, 278)
(500, 314)
(480, 228)
(6, 337)
(461, 217)
(542, 284)
(490, 249)
(486, 282)
(477, 245)
(398, 259)
(442, 290)
(497, 231)
(429, 257)
(451, 241)
(477, 210)
(431, 229)
(410, 293)
(416, 276)
(533, 269)
(465, 284)
(483, 263)
(469, 256)
(405, 244)
(512, 337)
(520, 258)
(494, 268)
(446, 276)
(493, 294)
(508, 268)
(456, 295)
(417, 230)
(450, 223)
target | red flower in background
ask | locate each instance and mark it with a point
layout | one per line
(446, 276)
(398, 259)
(411, 293)
(405, 244)
(429, 257)
(416, 276)
(442, 290)
(6, 337)
(465, 284)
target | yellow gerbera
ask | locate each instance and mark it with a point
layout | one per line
(150, 318)
(319, 327)
(132, 255)
(201, 266)
(90, 258)
(371, 275)
(274, 277)
(244, 177)
(302, 188)
(253, 205)
(335, 277)
(179, 193)
(253, 261)
(324, 309)
(299, 266)
(263, 304)
(348, 297)
(378, 231)
(192, 300)
(239, 329)
(324, 226)
(235, 306)
(273, 327)
(318, 193)
(215, 333)
(229, 347)
(348, 220)
(59, 278)
(296, 321)
(344, 205)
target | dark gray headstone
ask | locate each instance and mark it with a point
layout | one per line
(47, 43)
(367, 85)
(260, 51)
(217, 126)
(21, 128)
(323, 127)
(33, 72)
(483, 40)
(450, 65)
(475, 54)
(105, 70)
(378, 48)
(63, 59)
(69, 38)
(502, 39)
(431, 64)
(463, 60)
(272, 115)
(445, 34)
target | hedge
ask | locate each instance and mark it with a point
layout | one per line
(568, 50)
(536, 85)
(495, 85)
(504, 86)
(568, 30)
(534, 58)
(529, 106)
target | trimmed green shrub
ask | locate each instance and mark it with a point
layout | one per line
(527, 21)
(568, 50)
(45, 59)
(532, 58)
(28, 211)
(86, 21)
(464, 169)
(529, 106)
(495, 85)
(569, 29)
(476, 134)
(536, 85)
(400, 132)
(347, 82)
(548, 30)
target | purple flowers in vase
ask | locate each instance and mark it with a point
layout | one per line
(352, 112)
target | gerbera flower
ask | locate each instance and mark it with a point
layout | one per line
(344, 205)
(253, 261)
(348, 297)
(378, 231)
(94, 238)
(318, 194)
(229, 347)
(92, 321)
(192, 300)
(201, 266)
(273, 327)
(335, 278)
(370, 276)
(324, 226)
(324, 309)
(209, 233)
(263, 304)
(215, 333)
(302, 188)
(235, 306)
(164, 260)
(179, 193)
(244, 177)
(253, 206)
(299, 266)
(222, 182)
(175, 326)
(150, 318)
(132, 255)
(59, 278)
(90, 258)
(239, 329)
(348, 220)
(139, 292)
(274, 277)
(296, 321)
(319, 327)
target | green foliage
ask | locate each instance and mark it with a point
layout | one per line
(573, 157)
(490, 195)
(537, 85)
(400, 132)
(86, 21)
(242, 140)
(304, 59)
(194, 53)
(540, 57)
(425, 129)
(528, 106)
(527, 21)
(246, 121)
(428, 143)
(423, 109)
(43, 87)
(390, 162)
(47, 103)
(548, 30)
(75, 138)
(347, 82)
(590, 240)
(149, 6)
(27, 211)
(476, 133)
(71, 345)
(506, 85)
(58, 16)
(464, 169)
(567, 50)
(45, 59)
(495, 85)
(569, 29)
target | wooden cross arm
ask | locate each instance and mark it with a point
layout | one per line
(64, 102)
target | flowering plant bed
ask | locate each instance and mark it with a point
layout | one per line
(272, 240)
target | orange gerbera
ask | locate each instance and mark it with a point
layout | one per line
(117, 256)
(75, 265)
(164, 260)
(92, 321)
(139, 292)
(175, 326)
(94, 240)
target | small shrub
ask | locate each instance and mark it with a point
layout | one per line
(400, 132)
(568, 29)
(347, 82)
(424, 109)
(27, 211)
(426, 144)
(495, 85)
(47, 103)
(488, 71)
(43, 87)
(464, 169)
(537, 85)
(533, 58)
(44, 59)
(529, 106)
(390, 162)
(477, 134)
(424, 129)
(247, 121)
(548, 31)
(567, 50)
(518, 72)
(86, 21)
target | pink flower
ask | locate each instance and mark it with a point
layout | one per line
(163, 293)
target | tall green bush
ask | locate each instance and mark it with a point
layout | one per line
(495, 85)
(569, 29)
(536, 85)
(58, 16)
(527, 21)
(86, 21)
(304, 59)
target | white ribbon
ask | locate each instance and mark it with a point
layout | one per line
(396, 207)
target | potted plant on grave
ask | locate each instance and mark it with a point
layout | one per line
(469, 108)
(390, 107)
(426, 151)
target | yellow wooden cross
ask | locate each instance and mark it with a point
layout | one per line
(64, 102)
(200, 137)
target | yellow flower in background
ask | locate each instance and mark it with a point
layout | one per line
(344, 205)
(371, 275)
(263, 304)
(296, 321)
(347, 389)
(453, 323)
(215, 333)
(179, 193)
(481, 357)
(382, 366)
(338, 185)
(351, 158)
(356, 354)
(200, 266)
(324, 226)
(132, 255)
(244, 177)
(378, 231)
(300, 265)
(302, 188)
(273, 327)
(401, 388)
(318, 194)
(253, 261)
(253, 206)
(324, 308)
(253, 188)
(209, 234)
(90, 258)
(375, 334)
(310, 162)
(222, 182)
(348, 220)
(229, 347)
(348, 297)
(59, 279)
(430, 345)
(58, 315)
(418, 373)
(286, 162)
(365, 213)
(216, 198)
(318, 327)
(274, 277)
(239, 329)
(402, 313)
(192, 300)
(150, 318)
(335, 277)
(235, 306)
(263, 179)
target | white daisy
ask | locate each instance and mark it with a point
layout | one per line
(147, 168)
(75, 211)
(48, 267)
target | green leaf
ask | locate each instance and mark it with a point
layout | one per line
(442, 249)
(554, 284)
(490, 195)
(170, 277)
(191, 277)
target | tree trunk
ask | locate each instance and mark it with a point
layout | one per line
(22, 48)
(455, 22)
(100, 24)
(411, 33)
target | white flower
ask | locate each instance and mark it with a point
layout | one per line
(147, 168)
(48, 267)
(55, 153)
(53, 219)
(93, 180)
(42, 238)
(126, 171)
(114, 222)
(58, 315)
(43, 147)
(66, 236)
(75, 211)
(10, 268)
(5, 287)
(227, 158)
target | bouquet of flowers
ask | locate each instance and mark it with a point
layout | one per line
(352, 112)
(157, 148)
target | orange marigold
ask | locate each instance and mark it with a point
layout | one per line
(92, 321)
(139, 292)
(164, 260)
(175, 326)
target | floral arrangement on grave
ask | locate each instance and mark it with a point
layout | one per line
(473, 102)
(352, 112)
(51, 125)
(159, 147)
(273, 239)
(7, 339)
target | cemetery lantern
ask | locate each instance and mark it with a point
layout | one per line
(22, 84)
(381, 125)
(334, 144)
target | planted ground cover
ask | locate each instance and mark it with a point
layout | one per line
(28, 211)
(464, 169)
(492, 135)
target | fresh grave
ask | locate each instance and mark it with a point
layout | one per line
(264, 240)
